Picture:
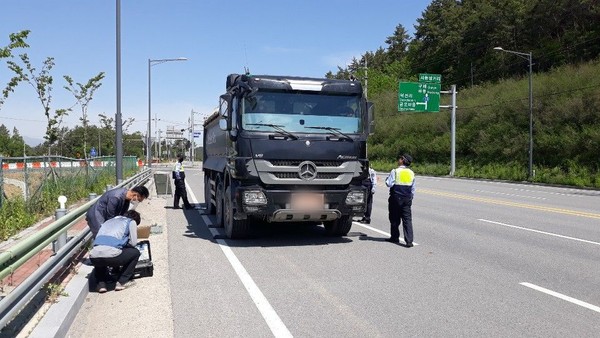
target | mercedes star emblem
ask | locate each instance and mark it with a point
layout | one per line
(307, 170)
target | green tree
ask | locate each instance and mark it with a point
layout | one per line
(436, 47)
(17, 144)
(563, 31)
(42, 84)
(83, 94)
(109, 122)
(17, 40)
(398, 43)
(4, 140)
(133, 144)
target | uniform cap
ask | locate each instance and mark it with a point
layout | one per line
(407, 159)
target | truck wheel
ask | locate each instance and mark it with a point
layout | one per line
(234, 228)
(219, 205)
(338, 227)
(210, 207)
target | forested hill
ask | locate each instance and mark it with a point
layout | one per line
(457, 39)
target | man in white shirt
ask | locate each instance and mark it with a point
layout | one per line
(371, 184)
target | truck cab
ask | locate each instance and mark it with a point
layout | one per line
(287, 149)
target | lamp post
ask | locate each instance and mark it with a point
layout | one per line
(149, 137)
(193, 138)
(156, 138)
(528, 57)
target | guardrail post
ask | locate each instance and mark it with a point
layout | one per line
(108, 187)
(92, 196)
(60, 212)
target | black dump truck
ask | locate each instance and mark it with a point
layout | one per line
(287, 149)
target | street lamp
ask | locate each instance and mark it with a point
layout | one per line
(528, 57)
(149, 137)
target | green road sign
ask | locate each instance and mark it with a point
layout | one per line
(430, 78)
(419, 97)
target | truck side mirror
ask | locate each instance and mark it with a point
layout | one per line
(371, 117)
(223, 124)
(225, 112)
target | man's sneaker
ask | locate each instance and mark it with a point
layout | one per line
(101, 287)
(127, 285)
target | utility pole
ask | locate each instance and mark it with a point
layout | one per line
(192, 138)
(159, 144)
(529, 57)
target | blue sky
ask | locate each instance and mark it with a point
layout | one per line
(302, 38)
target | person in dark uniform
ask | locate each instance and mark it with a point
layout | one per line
(401, 182)
(180, 192)
(115, 202)
(370, 184)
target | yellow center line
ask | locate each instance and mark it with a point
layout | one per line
(512, 204)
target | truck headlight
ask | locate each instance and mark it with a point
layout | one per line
(254, 197)
(355, 197)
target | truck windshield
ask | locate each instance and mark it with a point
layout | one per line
(293, 111)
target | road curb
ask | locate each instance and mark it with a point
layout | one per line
(57, 321)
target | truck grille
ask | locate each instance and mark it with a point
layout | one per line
(306, 172)
(295, 163)
(294, 175)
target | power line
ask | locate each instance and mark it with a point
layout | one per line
(564, 50)
(537, 96)
(17, 119)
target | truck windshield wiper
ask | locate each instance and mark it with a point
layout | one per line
(334, 131)
(277, 127)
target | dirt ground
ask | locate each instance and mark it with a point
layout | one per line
(34, 180)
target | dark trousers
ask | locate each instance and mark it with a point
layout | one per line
(369, 204)
(399, 209)
(180, 192)
(127, 259)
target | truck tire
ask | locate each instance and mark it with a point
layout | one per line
(234, 228)
(338, 227)
(210, 207)
(219, 205)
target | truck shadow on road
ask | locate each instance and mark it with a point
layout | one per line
(263, 234)
(287, 234)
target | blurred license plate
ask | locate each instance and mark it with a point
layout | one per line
(307, 201)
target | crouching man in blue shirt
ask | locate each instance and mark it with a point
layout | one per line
(114, 246)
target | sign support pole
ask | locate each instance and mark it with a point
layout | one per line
(452, 129)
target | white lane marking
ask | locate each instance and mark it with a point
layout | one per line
(275, 323)
(539, 231)
(379, 231)
(570, 192)
(506, 194)
(561, 296)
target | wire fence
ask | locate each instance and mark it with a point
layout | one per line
(26, 176)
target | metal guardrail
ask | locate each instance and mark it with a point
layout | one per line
(21, 252)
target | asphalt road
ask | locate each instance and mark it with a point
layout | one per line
(491, 259)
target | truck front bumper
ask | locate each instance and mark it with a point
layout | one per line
(276, 206)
